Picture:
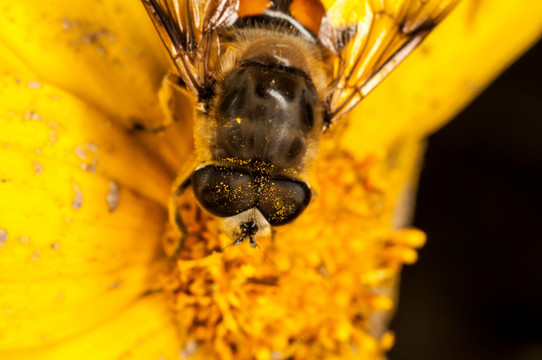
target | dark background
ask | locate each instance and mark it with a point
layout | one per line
(476, 291)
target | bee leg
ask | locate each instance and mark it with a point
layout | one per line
(171, 96)
(179, 187)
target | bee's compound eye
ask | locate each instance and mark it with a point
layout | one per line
(283, 200)
(224, 191)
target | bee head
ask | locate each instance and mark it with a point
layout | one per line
(249, 203)
(248, 228)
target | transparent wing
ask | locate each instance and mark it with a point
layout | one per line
(188, 29)
(371, 38)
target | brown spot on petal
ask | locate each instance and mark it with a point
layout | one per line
(78, 198)
(34, 85)
(188, 350)
(92, 147)
(36, 255)
(68, 24)
(3, 237)
(31, 115)
(37, 168)
(90, 167)
(112, 197)
(115, 285)
(80, 152)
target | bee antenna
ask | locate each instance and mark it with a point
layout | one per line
(264, 253)
(235, 243)
(248, 228)
(253, 244)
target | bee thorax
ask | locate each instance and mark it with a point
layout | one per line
(268, 112)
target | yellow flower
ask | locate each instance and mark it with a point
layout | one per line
(83, 214)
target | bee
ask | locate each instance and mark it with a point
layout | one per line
(269, 78)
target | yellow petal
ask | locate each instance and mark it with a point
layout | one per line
(170, 146)
(50, 124)
(81, 214)
(143, 330)
(107, 53)
(65, 289)
(457, 61)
